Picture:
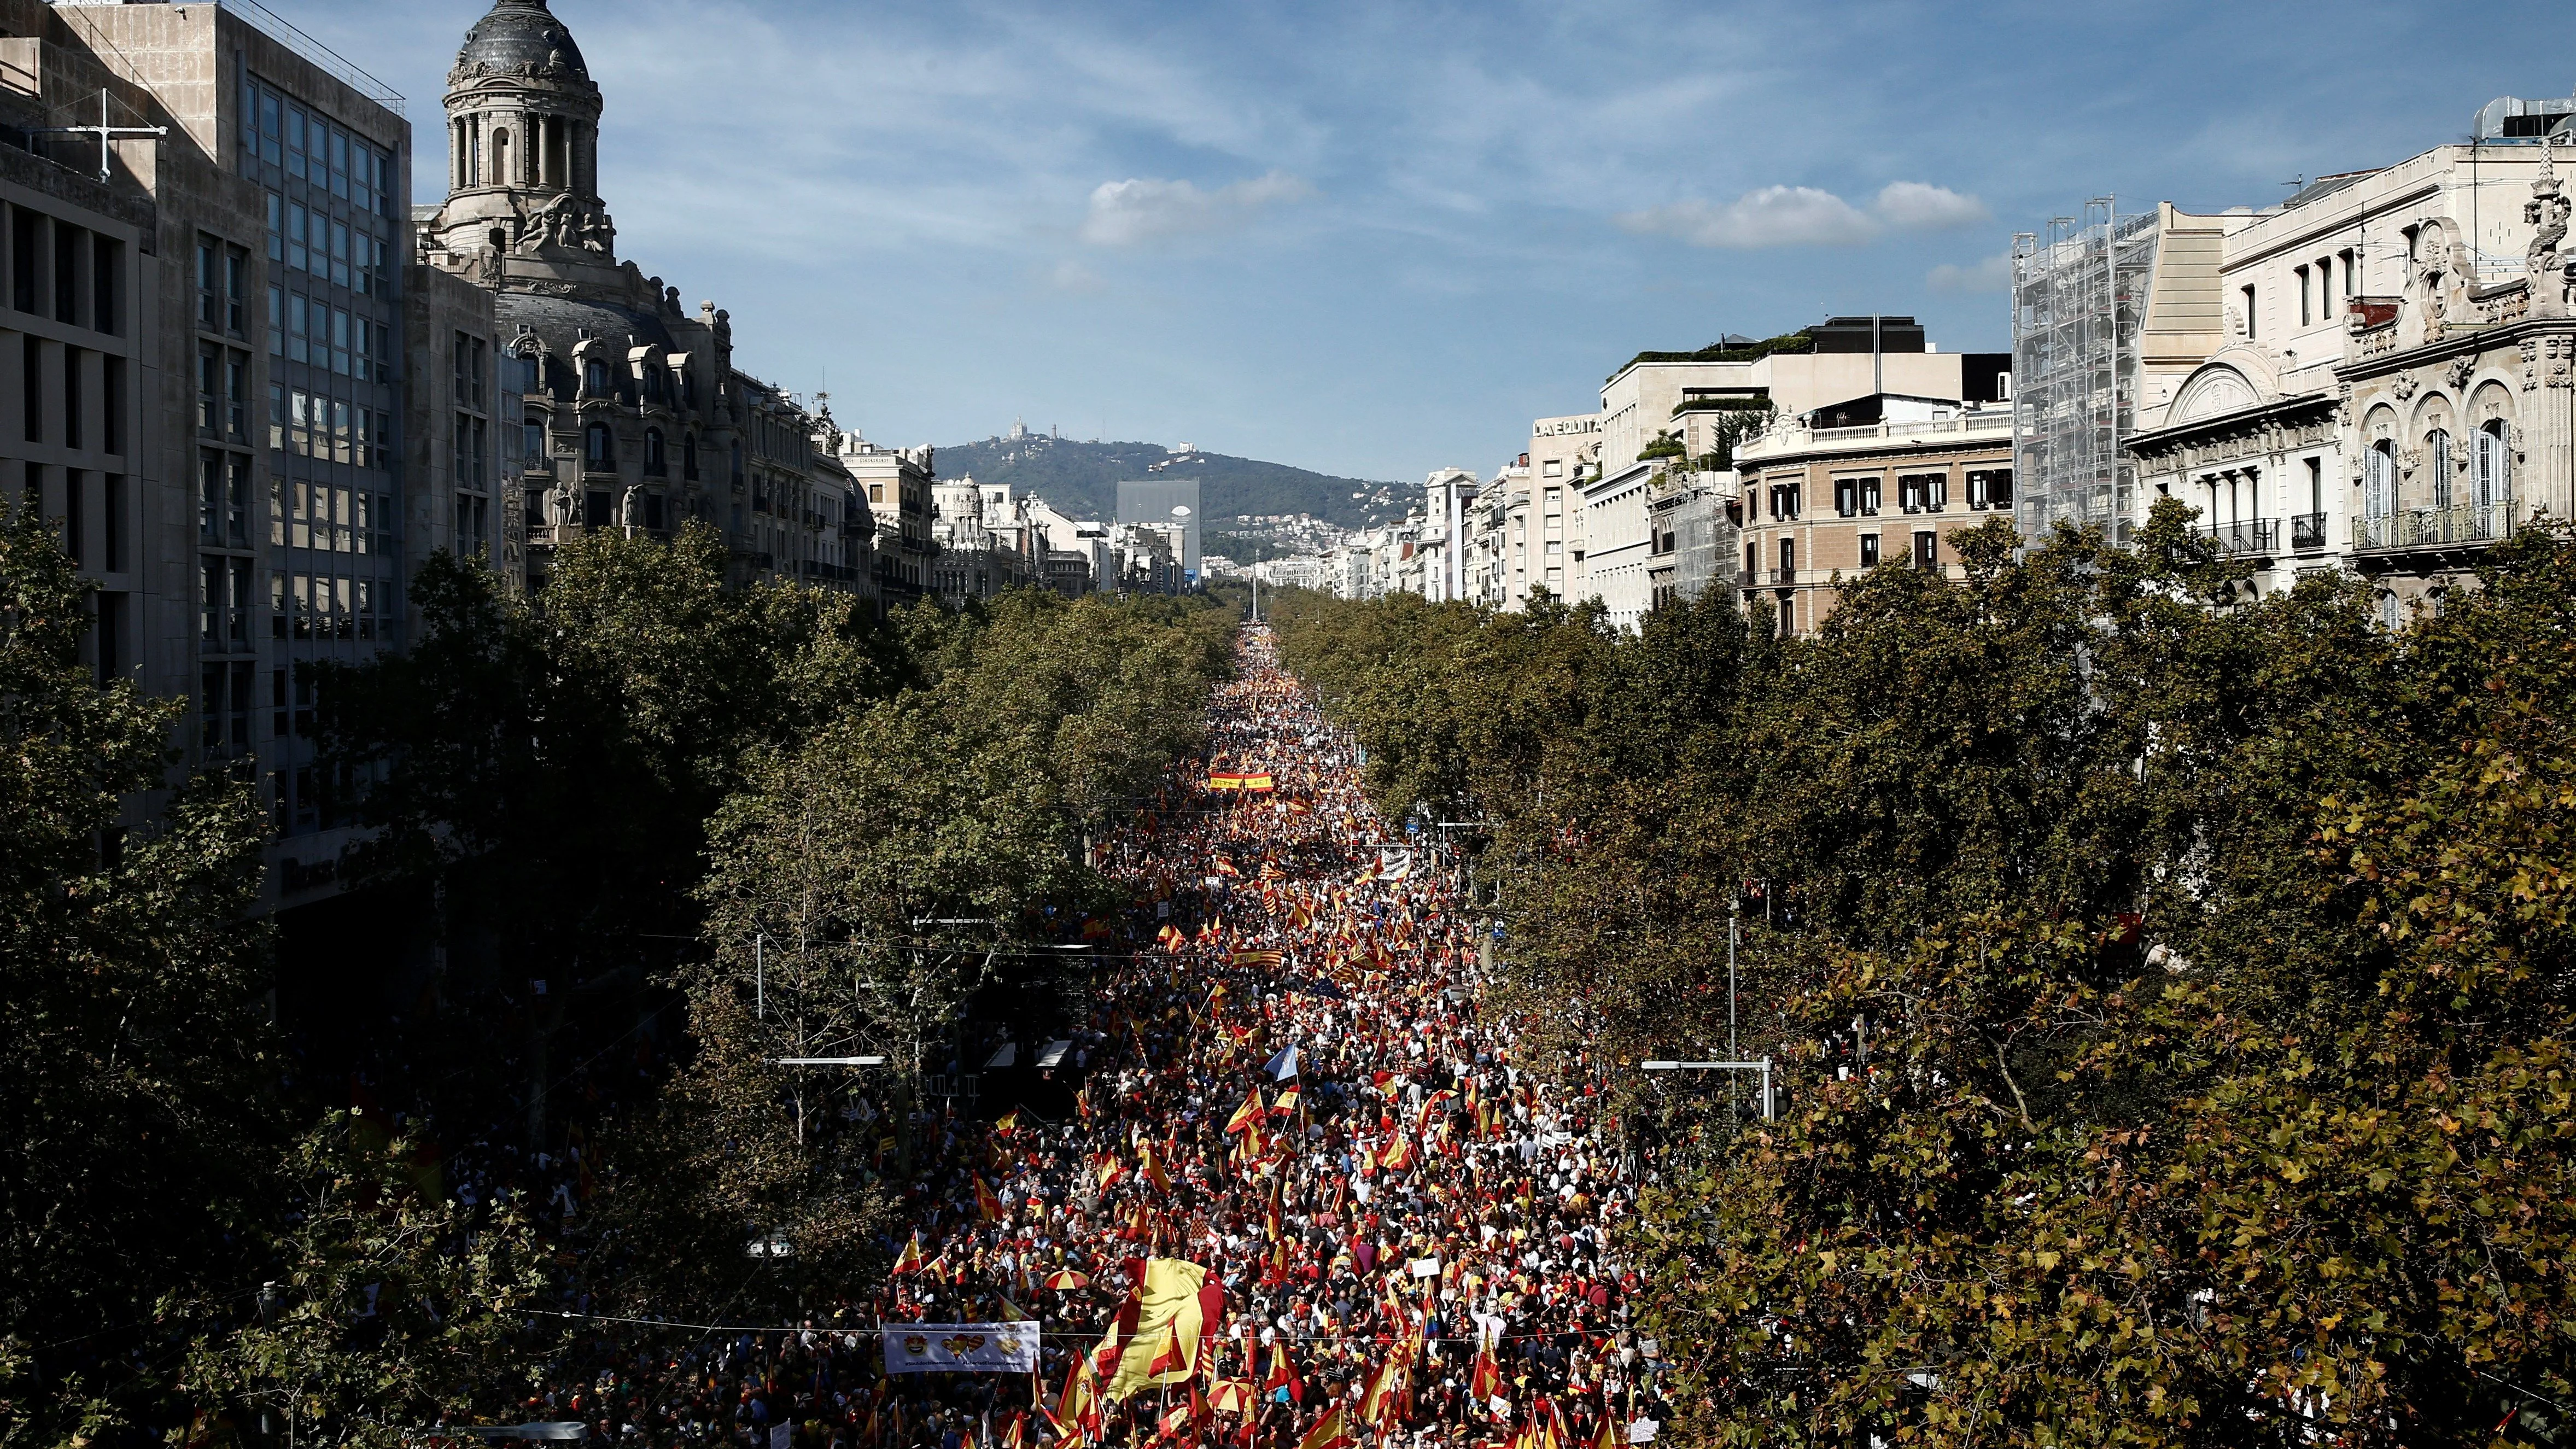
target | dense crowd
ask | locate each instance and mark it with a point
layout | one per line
(1287, 1078)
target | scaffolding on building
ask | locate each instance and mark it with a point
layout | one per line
(2079, 302)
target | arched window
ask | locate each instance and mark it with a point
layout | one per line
(689, 457)
(597, 446)
(501, 156)
(2378, 493)
(2437, 452)
(653, 459)
(2491, 475)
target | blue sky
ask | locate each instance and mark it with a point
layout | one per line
(1378, 238)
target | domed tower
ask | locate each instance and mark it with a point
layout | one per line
(523, 147)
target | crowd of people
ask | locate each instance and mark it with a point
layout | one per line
(1288, 1080)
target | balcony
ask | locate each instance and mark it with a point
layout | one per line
(2243, 536)
(1784, 576)
(2465, 525)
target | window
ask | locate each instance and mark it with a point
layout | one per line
(654, 463)
(2491, 471)
(689, 457)
(237, 397)
(1788, 561)
(67, 271)
(2379, 481)
(1846, 497)
(74, 363)
(2351, 277)
(653, 511)
(209, 388)
(106, 271)
(112, 404)
(1990, 488)
(1552, 468)
(236, 290)
(1927, 553)
(2306, 305)
(32, 375)
(594, 376)
(2437, 453)
(1869, 550)
(595, 512)
(1784, 499)
(1923, 492)
(597, 447)
(2316, 485)
(2246, 295)
(210, 306)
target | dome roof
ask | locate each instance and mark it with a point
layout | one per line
(562, 321)
(517, 33)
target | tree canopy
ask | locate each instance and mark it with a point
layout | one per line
(2170, 986)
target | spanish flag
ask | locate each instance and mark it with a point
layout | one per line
(1283, 1375)
(1150, 1169)
(1246, 1116)
(1330, 1432)
(987, 1206)
(1378, 1405)
(1177, 1311)
(1486, 1384)
(1170, 938)
(1286, 1105)
(910, 1260)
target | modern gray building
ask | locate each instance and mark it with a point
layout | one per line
(1171, 504)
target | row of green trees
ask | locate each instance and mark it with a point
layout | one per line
(2173, 989)
(754, 810)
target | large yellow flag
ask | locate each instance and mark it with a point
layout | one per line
(1176, 1308)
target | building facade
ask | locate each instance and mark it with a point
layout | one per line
(1821, 505)
(635, 418)
(216, 351)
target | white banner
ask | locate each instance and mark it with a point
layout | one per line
(960, 1348)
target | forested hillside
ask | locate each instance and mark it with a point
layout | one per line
(1082, 479)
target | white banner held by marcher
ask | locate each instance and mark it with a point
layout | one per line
(960, 1348)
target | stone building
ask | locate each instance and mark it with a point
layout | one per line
(635, 415)
(241, 409)
(1821, 504)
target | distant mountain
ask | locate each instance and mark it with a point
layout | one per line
(1082, 479)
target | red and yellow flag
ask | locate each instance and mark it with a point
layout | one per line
(1247, 1116)
(987, 1206)
(1330, 1432)
(909, 1261)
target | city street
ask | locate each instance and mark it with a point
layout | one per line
(1291, 1089)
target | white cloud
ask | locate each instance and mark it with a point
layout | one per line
(1790, 216)
(1918, 206)
(1994, 274)
(1135, 211)
(1775, 216)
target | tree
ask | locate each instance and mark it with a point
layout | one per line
(2169, 988)
(391, 1308)
(136, 1085)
